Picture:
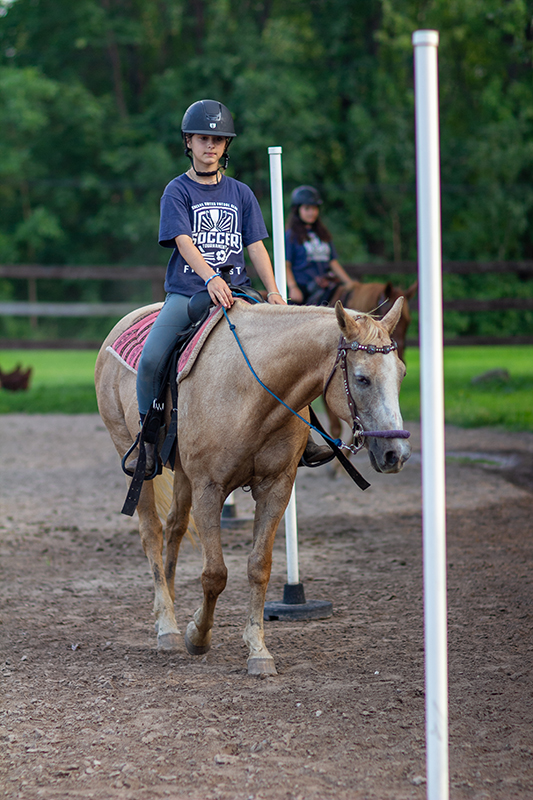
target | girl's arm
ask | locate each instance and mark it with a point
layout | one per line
(339, 272)
(218, 289)
(263, 266)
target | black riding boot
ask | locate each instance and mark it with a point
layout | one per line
(150, 460)
(150, 449)
(315, 454)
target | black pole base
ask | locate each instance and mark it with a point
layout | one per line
(229, 518)
(295, 606)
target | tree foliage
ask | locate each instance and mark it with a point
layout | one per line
(92, 94)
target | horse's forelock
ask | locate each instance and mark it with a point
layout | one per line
(370, 330)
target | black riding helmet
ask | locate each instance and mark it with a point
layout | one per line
(306, 196)
(208, 117)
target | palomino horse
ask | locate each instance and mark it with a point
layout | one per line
(232, 433)
(378, 299)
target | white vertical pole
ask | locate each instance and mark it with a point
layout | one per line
(278, 233)
(432, 410)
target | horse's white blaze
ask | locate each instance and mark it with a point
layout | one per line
(378, 407)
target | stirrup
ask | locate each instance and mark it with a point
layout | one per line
(131, 472)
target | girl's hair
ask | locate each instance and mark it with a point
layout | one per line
(300, 230)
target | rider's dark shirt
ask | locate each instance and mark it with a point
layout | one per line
(220, 218)
(309, 260)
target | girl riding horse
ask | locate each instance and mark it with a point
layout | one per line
(207, 219)
(313, 270)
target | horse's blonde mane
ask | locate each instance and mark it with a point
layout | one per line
(370, 329)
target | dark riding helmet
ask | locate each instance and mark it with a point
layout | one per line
(208, 117)
(305, 196)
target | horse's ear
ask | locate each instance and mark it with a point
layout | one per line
(391, 319)
(347, 323)
(387, 291)
(340, 313)
(411, 291)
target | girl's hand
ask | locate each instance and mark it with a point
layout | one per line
(275, 299)
(219, 292)
(295, 293)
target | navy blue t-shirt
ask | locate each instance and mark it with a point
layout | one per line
(221, 218)
(308, 260)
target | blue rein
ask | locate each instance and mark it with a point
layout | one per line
(337, 442)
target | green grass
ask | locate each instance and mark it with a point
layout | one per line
(63, 382)
(506, 404)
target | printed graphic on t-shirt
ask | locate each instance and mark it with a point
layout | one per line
(316, 249)
(216, 231)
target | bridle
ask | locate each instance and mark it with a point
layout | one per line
(358, 432)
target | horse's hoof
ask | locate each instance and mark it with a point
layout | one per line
(195, 649)
(168, 641)
(261, 666)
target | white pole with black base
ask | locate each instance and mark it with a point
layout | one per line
(230, 517)
(294, 604)
(432, 409)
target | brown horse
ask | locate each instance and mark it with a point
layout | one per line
(232, 433)
(376, 299)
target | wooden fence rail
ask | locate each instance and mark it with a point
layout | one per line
(155, 275)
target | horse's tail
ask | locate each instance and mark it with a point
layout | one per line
(163, 490)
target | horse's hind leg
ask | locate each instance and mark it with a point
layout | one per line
(151, 532)
(271, 502)
(207, 507)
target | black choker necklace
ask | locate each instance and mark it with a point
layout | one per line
(194, 177)
(205, 174)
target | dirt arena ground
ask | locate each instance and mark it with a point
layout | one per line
(91, 709)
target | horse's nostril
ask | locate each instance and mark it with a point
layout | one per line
(391, 458)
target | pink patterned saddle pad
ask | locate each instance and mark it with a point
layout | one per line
(127, 347)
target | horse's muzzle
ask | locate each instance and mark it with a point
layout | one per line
(388, 455)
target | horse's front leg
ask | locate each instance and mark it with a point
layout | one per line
(271, 501)
(151, 532)
(207, 507)
(176, 527)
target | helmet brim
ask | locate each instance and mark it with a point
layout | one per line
(225, 134)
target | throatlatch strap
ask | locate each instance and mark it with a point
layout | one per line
(354, 474)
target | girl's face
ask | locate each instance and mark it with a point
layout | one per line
(308, 214)
(206, 150)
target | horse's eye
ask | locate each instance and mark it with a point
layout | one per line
(362, 380)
